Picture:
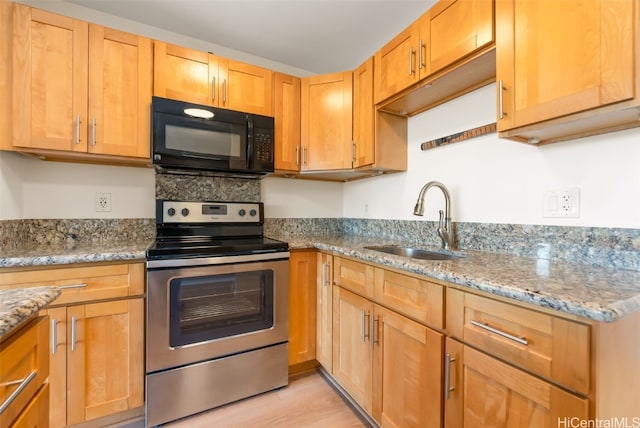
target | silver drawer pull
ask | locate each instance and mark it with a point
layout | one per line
(66, 287)
(23, 384)
(520, 340)
(448, 389)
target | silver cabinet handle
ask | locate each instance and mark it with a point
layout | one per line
(65, 287)
(93, 131)
(54, 335)
(374, 320)
(23, 384)
(501, 89)
(353, 152)
(365, 333)
(327, 274)
(422, 47)
(410, 60)
(447, 375)
(297, 155)
(78, 129)
(224, 91)
(213, 88)
(484, 326)
(304, 155)
(73, 333)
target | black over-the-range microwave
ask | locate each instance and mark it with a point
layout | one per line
(191, 137)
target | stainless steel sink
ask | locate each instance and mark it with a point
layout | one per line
(415, 253)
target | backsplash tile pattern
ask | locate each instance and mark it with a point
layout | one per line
(206, 188)
(44, 232)
(596, 246)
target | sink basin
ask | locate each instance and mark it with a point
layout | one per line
(415, 253)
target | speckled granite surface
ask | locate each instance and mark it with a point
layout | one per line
(53, 254)
(204, 188)
(597, 293)
(18, 305)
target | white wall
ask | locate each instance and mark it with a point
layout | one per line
(499, 181)
(293, 198)
(31, 188)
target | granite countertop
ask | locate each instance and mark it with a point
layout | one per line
(597, 293)
(44, 255)
(20, 304)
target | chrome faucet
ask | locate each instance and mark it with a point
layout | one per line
(444, 223)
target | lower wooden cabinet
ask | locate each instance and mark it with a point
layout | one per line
(96, 351)
(484, 391)
(389, 364)
(24, 368)
(324, 311)
(97, 363)
(302, 307)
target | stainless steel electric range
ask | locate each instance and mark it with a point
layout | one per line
(217, 308)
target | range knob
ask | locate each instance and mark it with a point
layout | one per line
(185, 212)
(252, 213)
(171, 211)
(242, 212)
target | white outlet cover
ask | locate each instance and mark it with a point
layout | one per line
(103, 202)
(562, 203)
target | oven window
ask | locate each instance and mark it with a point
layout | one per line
(217, 306)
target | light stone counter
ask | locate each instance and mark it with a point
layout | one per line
(597, 293)
(20, 304)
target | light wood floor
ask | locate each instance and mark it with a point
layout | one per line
(309, 401)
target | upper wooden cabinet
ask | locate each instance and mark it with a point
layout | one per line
(327, 121)
(454, 29)
(286, 112)
(79, 88)
(566, 69)
(396, 64)
(442, 37)
(203, 78)
(364, 150)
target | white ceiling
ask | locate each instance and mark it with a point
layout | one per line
(319, 36)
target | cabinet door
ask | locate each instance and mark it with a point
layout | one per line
(119, 93)
(499, 395)
(562, 57)
(245, 87)
(456, 28)
(302, 307)
(326, 121)
(286, 96)
(49, 81)
(396, 64)
(58, 367)
(105, 364)
(407, 372)
(184, 74)
(353, 351)
(363, 114)
(324, 311)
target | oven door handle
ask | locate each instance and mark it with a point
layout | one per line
(206, 261)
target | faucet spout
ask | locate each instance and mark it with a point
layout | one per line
(444, 223)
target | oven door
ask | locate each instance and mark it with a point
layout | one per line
(231, 305)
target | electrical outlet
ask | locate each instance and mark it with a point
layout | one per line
(562, 203)
(103, 202)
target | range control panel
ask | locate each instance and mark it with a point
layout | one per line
(209, 212)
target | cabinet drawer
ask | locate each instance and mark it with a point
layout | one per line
(37, 412)
(82, 283)
(552, 347)
(415, 298)
(25, 367)
(355, 276)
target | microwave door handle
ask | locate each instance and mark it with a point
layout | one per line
(250, 144)
(187, 155)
